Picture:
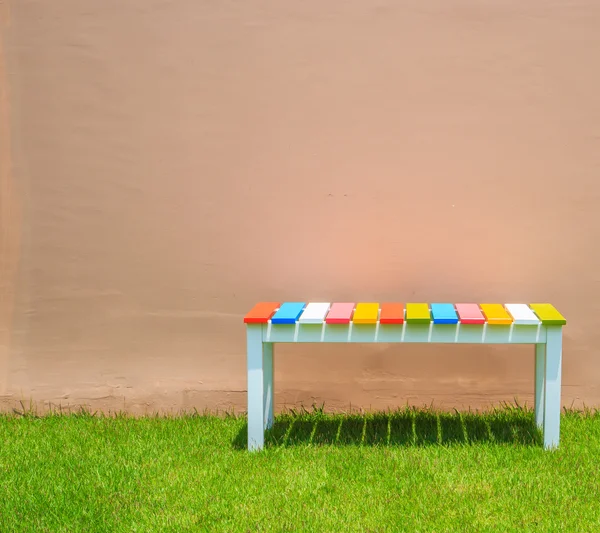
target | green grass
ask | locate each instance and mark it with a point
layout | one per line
(412, 470)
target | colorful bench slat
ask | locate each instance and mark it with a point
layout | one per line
(340, 313)
(548, 314)
(288, 313)
(314, 313)
(444, 314)
(522, 315)
(417, 313)
(391, 313)
(470, 314)
(261, 313)
(366, 313)
(495, 314)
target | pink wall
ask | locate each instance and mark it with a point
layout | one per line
(164, 165)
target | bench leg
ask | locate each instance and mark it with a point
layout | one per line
(256, 387)
(552, 373)
(540, 370)
(268, 395)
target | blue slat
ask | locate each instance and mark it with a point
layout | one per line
(444, 314)
(288, 313)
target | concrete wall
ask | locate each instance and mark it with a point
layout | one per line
(166, 164)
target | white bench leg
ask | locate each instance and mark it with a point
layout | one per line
(260, 386)
(540, 370)
(268, 370)
(552, 373)
(256, 387)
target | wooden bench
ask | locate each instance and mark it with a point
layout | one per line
(271, 322)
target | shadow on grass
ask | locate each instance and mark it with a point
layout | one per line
(408, 427)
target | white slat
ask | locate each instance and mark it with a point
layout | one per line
(522, 314)
(314, 313)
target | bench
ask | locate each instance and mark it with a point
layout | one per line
(298, 322)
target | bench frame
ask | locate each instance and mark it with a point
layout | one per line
(261, 338)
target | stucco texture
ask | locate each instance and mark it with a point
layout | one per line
(166, 164)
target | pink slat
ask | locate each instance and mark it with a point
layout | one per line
(470, 314)
(340, 313)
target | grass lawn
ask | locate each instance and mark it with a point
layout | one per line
(412, 470)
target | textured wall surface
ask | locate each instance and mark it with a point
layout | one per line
(165, 164)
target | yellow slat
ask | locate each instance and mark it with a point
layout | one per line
(548, 314)
(366, 313)
(496, 314)
(417, 313)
